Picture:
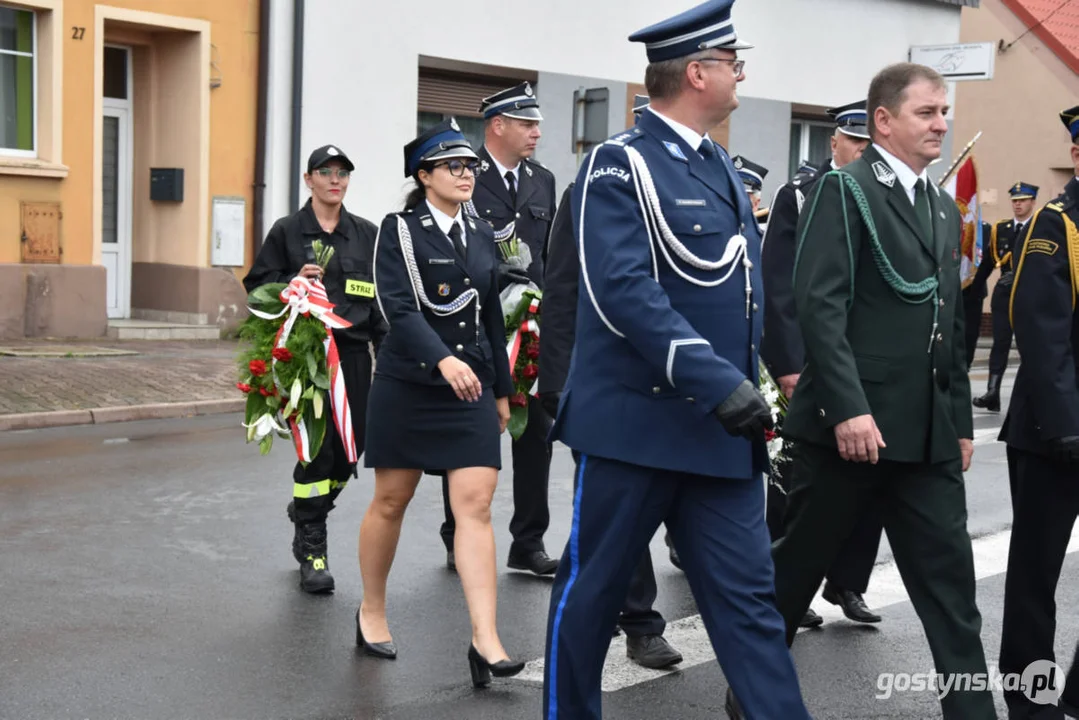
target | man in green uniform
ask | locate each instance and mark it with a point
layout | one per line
(882, 411)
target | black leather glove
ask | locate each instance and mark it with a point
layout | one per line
(1065, 449)
(509, 274)
(745, 412)
(549, 402)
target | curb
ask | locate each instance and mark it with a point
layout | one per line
(121, 413)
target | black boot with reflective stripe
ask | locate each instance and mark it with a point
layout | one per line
(315, 574)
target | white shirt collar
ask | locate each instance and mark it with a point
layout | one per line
(691, 136)
(502, 170)
(907, 177)
(445, 222)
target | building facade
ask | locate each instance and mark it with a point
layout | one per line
(369, 75)
(127, 149)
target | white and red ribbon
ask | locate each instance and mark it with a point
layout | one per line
(308, 297)
(513, 347)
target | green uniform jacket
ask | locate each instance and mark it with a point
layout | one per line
(882, 354)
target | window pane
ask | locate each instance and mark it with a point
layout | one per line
(16, 30)
(795, 148)
(115, 73)
(110, 173)
(820, 143)
(16, 102)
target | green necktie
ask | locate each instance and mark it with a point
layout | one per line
(921, 208)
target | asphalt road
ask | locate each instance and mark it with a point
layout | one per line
(147, 573)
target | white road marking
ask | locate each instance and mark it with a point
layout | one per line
(690, 638)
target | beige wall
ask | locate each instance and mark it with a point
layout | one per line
(1017, 111)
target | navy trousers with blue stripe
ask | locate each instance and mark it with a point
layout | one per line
(719, 529)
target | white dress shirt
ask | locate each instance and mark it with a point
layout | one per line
(502, 170)
(907, 177)
(445, 222)
(691, 136)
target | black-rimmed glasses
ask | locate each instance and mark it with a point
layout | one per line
(457, 167)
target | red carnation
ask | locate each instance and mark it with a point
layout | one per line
(264, 392)
(243, 387)
(531, 371)
(533, 351)
(282, 354)
(519, 400)
(769, 435)
(257, 367)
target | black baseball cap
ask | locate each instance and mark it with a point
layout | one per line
(326, 153)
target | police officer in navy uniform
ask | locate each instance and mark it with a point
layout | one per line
(517, 196)
(784, 354)
(1005, 246)
(1042, 432)
(661, 402)
(287, 253)
(752, 176)
(639, 619)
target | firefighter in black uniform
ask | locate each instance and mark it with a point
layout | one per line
(1042, 432)
(288, 253)
(1005, 245)
(517, 196)
(639, 619)
(784, 355)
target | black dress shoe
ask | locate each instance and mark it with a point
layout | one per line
(482, 670)
(652, 651)
(851, 603)
(734, 710)
(451, 561)
(383, 650)
(811, 620)
(536, 562)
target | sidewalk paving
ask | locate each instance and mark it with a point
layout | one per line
(168, 378)
(47, 383)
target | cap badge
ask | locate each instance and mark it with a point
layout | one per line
(885, 175)
(454, 125)
(331, 150)
(528, 90)
(738, 163)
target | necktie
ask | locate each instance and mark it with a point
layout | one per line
(455, 238)
(512, 187)
(921, 208)
(707, 149)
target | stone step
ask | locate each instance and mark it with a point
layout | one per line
(153, 330)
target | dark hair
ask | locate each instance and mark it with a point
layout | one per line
(418, 193)
(889, 88)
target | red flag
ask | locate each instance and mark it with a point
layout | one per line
(965, 191)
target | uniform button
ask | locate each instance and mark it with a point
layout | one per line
(940, 337)
(461, 324)
(488, 212)
(743, 227)
(696, 228)
(468, 281)
(656, 390)
(460, 348)
(942, 302)
(822, 412)
(423, 366)
(518, 214)
(691, 400)
(755, 307)
(753, 348)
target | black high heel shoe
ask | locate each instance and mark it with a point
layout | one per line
(383, 650)
(482, 670)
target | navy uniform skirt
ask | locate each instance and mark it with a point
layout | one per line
(427, 427)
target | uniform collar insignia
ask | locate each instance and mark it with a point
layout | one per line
(426, 221)
(885, 175)
(484, 166)
(471, 224)
(528, 170)
(674, 149)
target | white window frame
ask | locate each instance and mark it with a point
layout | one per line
(14, 152)
(803, 143)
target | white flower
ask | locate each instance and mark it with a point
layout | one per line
(265, 425)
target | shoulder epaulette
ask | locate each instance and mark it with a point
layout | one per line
(625, 137)
(1056, 205)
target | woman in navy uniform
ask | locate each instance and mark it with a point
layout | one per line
(440, 397)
